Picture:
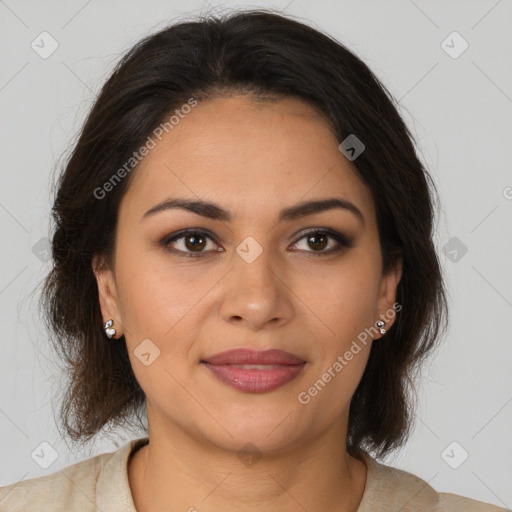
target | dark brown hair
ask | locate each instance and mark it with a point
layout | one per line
(266, 55)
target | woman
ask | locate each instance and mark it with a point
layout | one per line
(243, 249)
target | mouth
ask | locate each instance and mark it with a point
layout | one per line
(253, 371)
(243, 356)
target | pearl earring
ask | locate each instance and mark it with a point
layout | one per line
(380, 325)
(110, 332)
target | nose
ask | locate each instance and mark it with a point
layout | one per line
(257, 295)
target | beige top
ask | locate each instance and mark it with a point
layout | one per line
(101, 484)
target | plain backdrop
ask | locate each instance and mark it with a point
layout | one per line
(456, 100)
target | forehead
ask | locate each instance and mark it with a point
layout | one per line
(247, 154)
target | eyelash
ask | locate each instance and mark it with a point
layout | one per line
(343, 241)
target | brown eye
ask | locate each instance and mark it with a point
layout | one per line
(191, 243)
(318, 240)
(194, 243)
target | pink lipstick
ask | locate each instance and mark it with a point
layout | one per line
(255, 371)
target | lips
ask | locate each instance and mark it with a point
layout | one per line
(255, 371)
(254, 357)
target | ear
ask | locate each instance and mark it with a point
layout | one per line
(107, 293)
(387, 297)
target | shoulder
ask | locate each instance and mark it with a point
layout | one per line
(448, 502)
(82, 486)
(67, 489)
(389, 488)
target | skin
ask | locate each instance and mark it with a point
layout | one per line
(253, 159)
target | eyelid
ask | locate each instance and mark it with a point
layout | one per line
(328, 231)
(342, 240)
(166, 241)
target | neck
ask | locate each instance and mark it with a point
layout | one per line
(177, 471)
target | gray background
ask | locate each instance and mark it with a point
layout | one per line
(460, 111)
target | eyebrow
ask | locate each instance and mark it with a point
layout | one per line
(216, 212)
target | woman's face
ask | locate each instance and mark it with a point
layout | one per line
(253, 281)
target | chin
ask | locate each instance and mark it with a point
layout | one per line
(259, 432)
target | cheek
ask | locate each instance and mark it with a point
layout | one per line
(346, 306)
(344, 298)
(154, 291)
(157, 305)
